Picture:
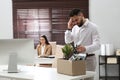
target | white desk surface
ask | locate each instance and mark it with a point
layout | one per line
(40, 73)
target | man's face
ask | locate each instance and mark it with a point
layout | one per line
(77, 20)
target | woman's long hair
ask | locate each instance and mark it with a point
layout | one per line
(46, 40)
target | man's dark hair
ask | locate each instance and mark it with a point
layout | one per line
(74, 12)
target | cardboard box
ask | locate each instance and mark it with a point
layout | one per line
(72, 68)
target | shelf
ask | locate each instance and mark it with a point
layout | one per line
(108, 56)
(108, 63)
(109, 76)
(105, 61)
(101, 63)
(112, 63)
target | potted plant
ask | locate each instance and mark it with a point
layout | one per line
(67, 51)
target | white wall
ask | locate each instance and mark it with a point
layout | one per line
(106, 14)
(6, 28)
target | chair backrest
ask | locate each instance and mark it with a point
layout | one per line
(59, 53)
(53, 44)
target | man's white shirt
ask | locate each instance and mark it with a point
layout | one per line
(86, 35)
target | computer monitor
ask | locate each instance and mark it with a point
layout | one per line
(23, 48)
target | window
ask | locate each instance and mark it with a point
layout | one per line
(33, 18)
(31, 23)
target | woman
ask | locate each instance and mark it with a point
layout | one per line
(44, 48)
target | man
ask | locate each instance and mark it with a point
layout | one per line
(85, 36)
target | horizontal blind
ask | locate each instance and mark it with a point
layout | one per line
(33, 18)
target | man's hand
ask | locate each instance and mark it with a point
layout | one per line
(81, 49)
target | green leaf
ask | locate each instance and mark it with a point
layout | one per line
(67, 50)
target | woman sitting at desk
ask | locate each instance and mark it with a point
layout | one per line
(44, 48)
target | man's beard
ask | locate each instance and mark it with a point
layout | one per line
(80, 25)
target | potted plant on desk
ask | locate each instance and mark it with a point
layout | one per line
(69, 67)
(67, 51)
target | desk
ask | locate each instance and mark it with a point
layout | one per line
(40, 73)
(45, 62)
